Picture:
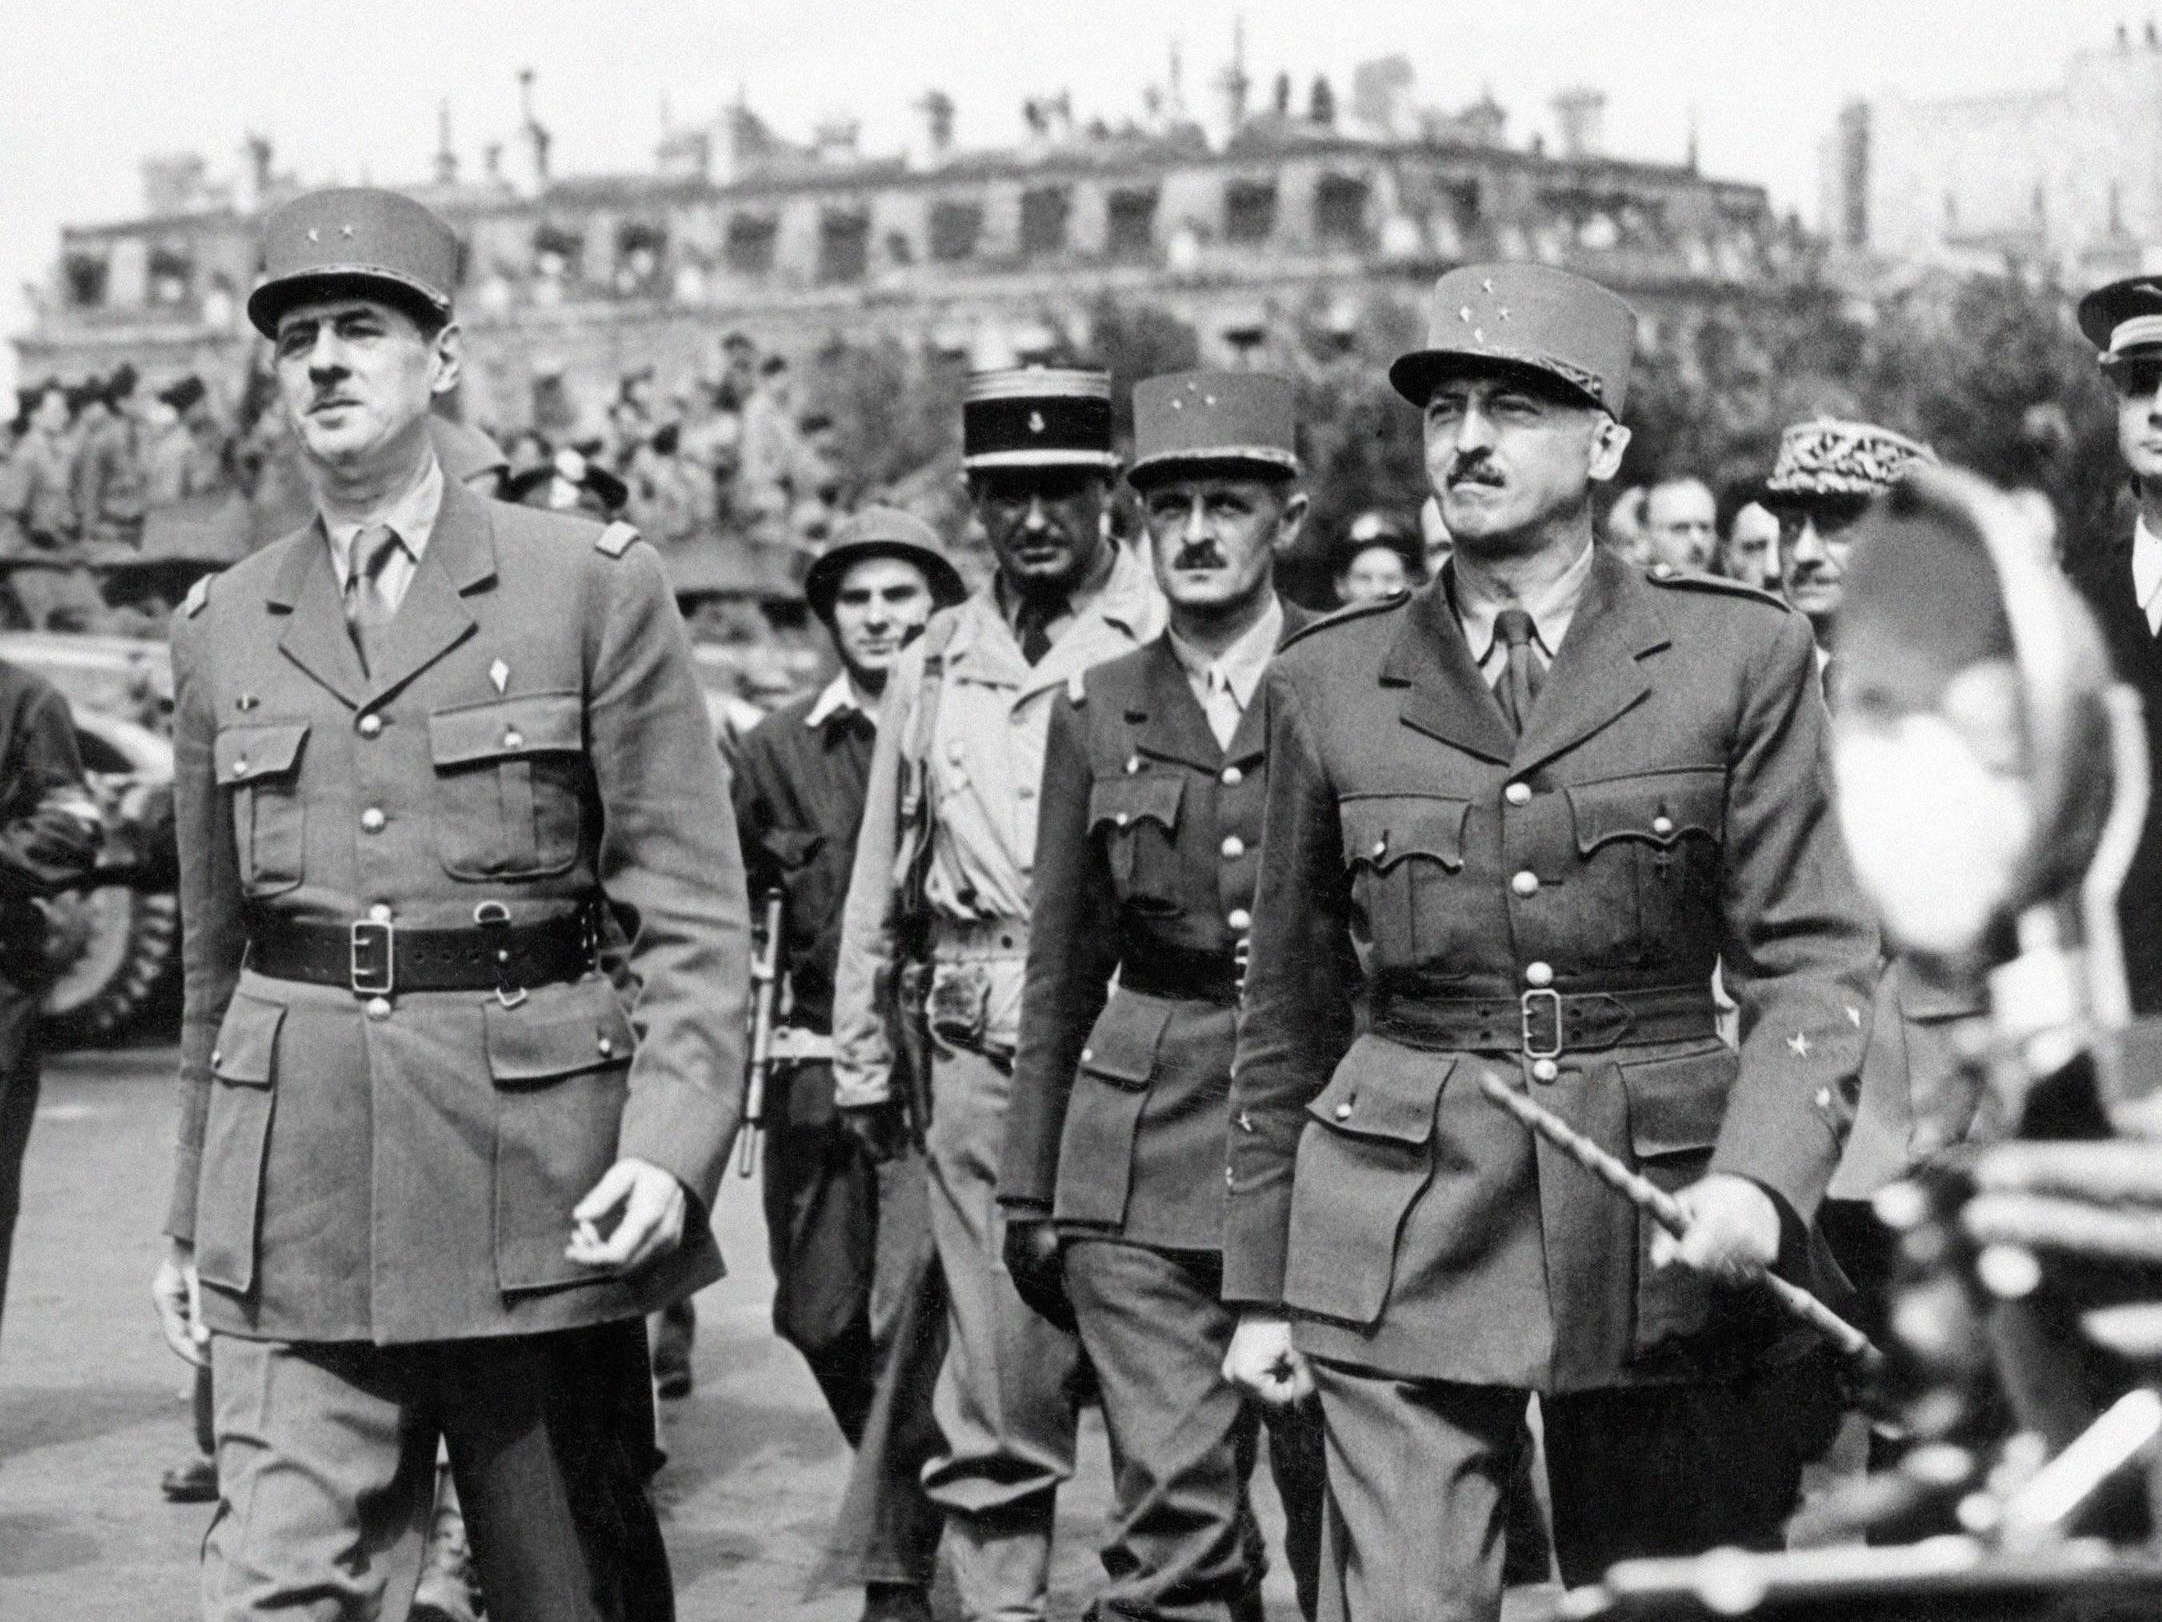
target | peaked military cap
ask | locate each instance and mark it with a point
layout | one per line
(1528, 316)
(1037, 416)
(350, 239)
(2123, 317)
(1240, 417)
(1827, 458)
(881, 532)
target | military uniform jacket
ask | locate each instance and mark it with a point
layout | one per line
(981, 764)
(1147, 849)
(1663, 810)
(404, 1169)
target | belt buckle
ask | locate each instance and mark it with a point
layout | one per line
(1531, 1003)
(372, 958)
(490, 916)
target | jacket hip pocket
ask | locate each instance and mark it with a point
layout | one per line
(1676, 1105)
(1103, 1117)
(1364, 1158)
(561, 1063)
(236, 1141)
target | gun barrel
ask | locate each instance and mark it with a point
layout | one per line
(765, 998)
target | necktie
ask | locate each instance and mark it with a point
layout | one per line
(368, 607)
(1221, 706)
(1517, 687)
(1033, 621)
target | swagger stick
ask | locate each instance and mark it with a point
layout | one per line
(1665, 1210)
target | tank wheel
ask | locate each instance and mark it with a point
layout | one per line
(112, 950)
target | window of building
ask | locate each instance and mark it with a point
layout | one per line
(1043, 220)
(955, 229)
(1250, 210)
(172, 276)
(844, 246)
(1340, 212)
(751, 239)
(556, 251)
(1131, 226)
(641, 247)
(85, 276)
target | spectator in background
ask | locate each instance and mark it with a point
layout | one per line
(1378, 558)
(41, 495)
(527, 452)
(1681, 524)
(186, 451)
(1749, 544)
(110, 482)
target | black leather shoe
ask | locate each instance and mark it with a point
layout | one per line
(195, 1482)
(896, 1602)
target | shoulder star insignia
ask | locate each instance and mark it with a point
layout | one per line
(1799, 1042)
(314, 235)
(1487, 285)
(345, 230)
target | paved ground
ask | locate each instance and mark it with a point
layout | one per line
(92, 1406)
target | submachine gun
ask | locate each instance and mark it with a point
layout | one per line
(1992, 784)
(765, 1007)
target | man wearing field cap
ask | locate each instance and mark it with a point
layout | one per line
(950, 818)
(1513, 821)
(841, 1228)
(2120, 575)
(432, 1169)
(1113, 1176)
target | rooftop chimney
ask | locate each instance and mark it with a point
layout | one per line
(1234, 82)
(1581, 114)
(446, 160)
(936, 108)
(537, 137)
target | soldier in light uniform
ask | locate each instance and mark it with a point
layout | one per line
(1113, 1178)
(961, 735)
(432, 1169)
(1513, 822)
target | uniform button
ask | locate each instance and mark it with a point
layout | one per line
(379, 913)
(606, 1045)
(1539, 974)
(240, 766)
(1233, 777)
(371, 820)
(1240, 919)
(1381, 847)
(1525, 883)
(1234, 847)
(1026, 791)
(1517, 794)
(217, 1057)
(1662, 826)
(379, 1008)
(1230, 1180)
(1343, 1112)
(514, 739)
(371, 725)
(1544, 1070)
(1087, 1054)
(1133, 764)
(1121, 818)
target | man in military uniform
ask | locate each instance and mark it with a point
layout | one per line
(1513, 821)
(112, 470)
(833, 1215)
(958, 764)
(1113, 1177)
(432, 1170)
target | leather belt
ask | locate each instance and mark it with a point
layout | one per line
(375, 959)
(1184, 973)
(1545, 1024)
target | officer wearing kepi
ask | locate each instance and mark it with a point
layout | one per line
(432, 1170)
(955, 778)
(1513, 821)
(1113, 1177)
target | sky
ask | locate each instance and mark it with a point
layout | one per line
(352, 91)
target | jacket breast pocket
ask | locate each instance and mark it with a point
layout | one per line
(236, 1138)
(1103, 1115)
(259, 766)
(1137, 819)
(1404, 852)
(1364, 1158)
(561, 1065)
(1649, 845)
(1676, 1106)
(510, 783)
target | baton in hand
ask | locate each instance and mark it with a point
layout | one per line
(765, 994)
(1664, 1209)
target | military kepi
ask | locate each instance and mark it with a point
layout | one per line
(354, 239)
(1529, 316)
(1246, 419)
(2124, 317)
(1037, 416)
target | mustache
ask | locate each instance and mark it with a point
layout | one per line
(1198, 555)
(1475, 469)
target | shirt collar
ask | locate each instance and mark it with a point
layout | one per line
(411, 514)
(838, 698)
(1241, 665)
(1551, 610)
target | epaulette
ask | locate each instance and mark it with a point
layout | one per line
(1344, 615)
(1077, 689)
(1665, 574)
(616, 539)
(198, 595)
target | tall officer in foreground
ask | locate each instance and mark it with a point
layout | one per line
(1113, 1178)
(837, 1223)
(1512, 824)
(432, 1172)
(958, 764)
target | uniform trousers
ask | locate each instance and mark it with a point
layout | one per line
(326, 1476)
(18, 1108)
(1184, 1545)
(1006, 1397)
(847, 1239)
(1417, 1471)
